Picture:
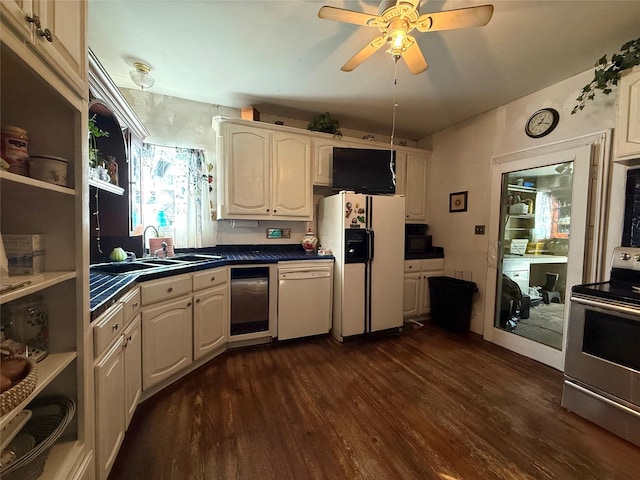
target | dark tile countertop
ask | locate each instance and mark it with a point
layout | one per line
(105, 289)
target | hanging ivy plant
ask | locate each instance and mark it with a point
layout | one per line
(325, 123)
(607, 73)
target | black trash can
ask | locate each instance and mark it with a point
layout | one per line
(451, 301)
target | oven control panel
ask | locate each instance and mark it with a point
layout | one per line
(626, 257)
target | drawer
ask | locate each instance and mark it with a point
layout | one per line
(210, 278)
(131, 304)
(107, 327)
(411, 266)
(432, 264)
(165, 288)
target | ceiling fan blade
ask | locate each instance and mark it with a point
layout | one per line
(363, 54)
(347, 16)
(414, 59)
(452, 19)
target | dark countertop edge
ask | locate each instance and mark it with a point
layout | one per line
(125, 281)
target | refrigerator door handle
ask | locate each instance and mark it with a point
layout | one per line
(371, 242)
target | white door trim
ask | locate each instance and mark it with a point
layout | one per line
(597, 147)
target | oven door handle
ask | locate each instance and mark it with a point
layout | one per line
(607, 306)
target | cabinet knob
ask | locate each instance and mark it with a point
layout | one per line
(170, 289)
(213, 279)
(188, 304)
(115, 326)
(198, 300)
(267, 209)
(35, 20)
(410, 267)
(46, 33)
(274, 210)
(135, 305)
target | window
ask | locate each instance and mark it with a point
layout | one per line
(176, 192)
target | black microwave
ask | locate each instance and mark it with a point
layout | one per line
(416, 241)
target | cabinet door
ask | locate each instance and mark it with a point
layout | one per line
(67, 49)
(415, 186)
(247, 177)
(411, 294)
(167, 331)
(110, 408)
(132, 368)
(323, 162)
(15, 12)
(291, 172)
(210, 320)
(628, 121)
(425, 296)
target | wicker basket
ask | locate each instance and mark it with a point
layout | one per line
(21, 390)
(51, 415)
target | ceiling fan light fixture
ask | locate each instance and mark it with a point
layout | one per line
(141, 76)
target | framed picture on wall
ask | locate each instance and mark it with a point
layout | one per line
(458, 202)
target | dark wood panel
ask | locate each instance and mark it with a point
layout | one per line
(424, 404)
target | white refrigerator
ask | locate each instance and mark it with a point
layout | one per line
(366, 236)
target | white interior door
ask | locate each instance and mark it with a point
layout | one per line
(579, 159)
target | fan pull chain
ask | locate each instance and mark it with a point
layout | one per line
(393, 120)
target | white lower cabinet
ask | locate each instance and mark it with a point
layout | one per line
(118, 379)
(210, 320)
(167, 334)
(417, 300)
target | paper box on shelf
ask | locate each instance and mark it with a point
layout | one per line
(25, 253)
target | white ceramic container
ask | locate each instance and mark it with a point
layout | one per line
(49, 169)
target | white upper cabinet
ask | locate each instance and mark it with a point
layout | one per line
(56, 30)
(628, 122)
(412, 170)
(246, 176)
(291, 170)
(263, 174)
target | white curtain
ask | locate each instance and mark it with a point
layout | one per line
(176, 194)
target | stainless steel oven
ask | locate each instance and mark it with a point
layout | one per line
(602, 360)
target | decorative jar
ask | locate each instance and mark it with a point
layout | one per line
(309, 242)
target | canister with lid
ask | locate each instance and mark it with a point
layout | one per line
(27, 321)
(15, 143)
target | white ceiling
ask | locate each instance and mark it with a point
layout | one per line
(280, 57)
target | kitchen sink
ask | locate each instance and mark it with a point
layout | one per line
(197, 258)
(121, 267)
(156, 261)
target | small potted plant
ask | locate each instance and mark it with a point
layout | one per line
(325, 123)
(95, 158)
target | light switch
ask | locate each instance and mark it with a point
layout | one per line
(479, 230)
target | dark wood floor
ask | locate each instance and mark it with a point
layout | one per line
(425, 404)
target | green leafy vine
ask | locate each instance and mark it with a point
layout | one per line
(607, 73)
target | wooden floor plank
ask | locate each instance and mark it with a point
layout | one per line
(424, 404)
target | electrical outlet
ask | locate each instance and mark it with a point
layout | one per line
(479, 230)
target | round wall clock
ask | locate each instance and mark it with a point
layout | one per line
(542, 122)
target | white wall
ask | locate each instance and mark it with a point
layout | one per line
(462, 159)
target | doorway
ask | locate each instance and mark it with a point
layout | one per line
(539, 251)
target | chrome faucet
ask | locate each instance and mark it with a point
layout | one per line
(144, 240)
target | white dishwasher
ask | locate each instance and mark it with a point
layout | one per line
(305, 298)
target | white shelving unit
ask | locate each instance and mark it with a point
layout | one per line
(44, 91)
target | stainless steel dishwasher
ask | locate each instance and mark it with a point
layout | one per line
(249, 300)
(305, 295)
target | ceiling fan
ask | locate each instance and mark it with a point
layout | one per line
(396, 19)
